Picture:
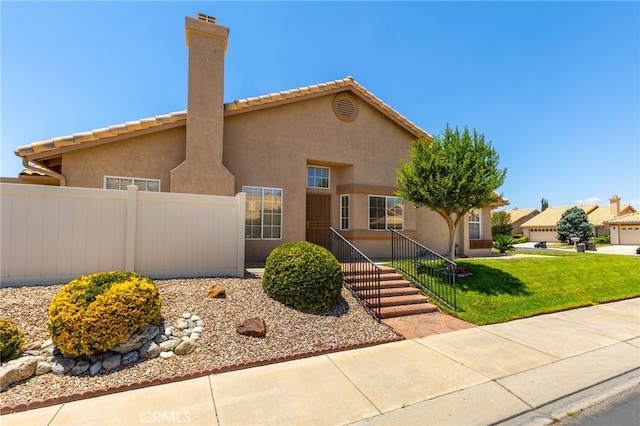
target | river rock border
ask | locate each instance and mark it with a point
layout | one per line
(150, 342)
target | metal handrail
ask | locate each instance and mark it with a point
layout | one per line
(361, 276)
(426, 269)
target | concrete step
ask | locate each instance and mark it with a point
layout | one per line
(412, 299)
(404, 310)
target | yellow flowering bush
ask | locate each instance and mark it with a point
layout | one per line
(11, 340)
(96, 312)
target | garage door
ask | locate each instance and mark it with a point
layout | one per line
(630, 234)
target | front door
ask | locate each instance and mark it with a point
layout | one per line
(319, 219)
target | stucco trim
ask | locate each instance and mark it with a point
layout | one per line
(355, 188)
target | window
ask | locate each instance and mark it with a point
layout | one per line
(474, 225)
(263, 215)
(116, 182)
(344, 212)
(317, 177)
(386, 213)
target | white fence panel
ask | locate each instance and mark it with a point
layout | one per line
(53, 234)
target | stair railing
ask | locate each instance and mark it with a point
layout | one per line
(426, 269)
(360, 274)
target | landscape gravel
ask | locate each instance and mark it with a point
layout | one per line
(289, 332)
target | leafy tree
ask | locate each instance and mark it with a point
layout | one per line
(452, 175)
(574, 223)
(544, 204)
(500, 224)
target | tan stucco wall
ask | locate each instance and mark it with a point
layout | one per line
(150, 156)
(272, 147)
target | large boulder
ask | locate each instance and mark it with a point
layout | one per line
(17, 370)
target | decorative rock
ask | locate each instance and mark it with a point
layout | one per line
(95, 368)
(80, 368)
(62, 365)
(216, 290)
(131, 357)
(137, 339)
(46, 344)
(166, 355)
(254, 327)
(185, 347)
(33, 346)
(197, 329)
(177, 333)
(17, 370)
(31, 353)
(169, 345)
(160, 338)
(182, 324)
(195, 318)
(186, 315)
(189, 324)
(149, 350)
(111, 362)
(168, 331)
(194, 336)
(199, 323)
(42, 367)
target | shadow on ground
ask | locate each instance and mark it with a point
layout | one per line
(492, 282)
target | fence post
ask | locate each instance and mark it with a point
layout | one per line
(240, 200)
(131, 229)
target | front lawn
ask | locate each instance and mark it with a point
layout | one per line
(516, 287)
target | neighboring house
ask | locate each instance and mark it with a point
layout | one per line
(599, 217)
(520, 216)
(308, 158)
(542, 227)
(625, 229)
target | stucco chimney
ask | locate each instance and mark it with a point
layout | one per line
(614, 205)
(202, 172)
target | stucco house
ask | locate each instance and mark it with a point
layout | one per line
(308, 159)
(543, 226)
(599, 218)
(520, 216)
(625, 229)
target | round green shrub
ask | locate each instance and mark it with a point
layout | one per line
(303, 275)
(11, 340)
(96, 312)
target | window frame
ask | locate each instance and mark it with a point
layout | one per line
(472, 214)
(262, 213)
(132, 180)
(386, 216)
(344, 217)
(328, 169)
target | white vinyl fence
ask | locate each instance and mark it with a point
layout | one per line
(52, 235)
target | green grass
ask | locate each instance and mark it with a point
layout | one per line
(505, 289)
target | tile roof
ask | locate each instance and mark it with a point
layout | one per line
(97, 134)
(243, 105)
(517, 214)
(627, 218)
(551, 215)
(603, 213)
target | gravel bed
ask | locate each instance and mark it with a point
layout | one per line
(289, 332)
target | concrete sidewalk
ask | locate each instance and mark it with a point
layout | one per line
(527, 371)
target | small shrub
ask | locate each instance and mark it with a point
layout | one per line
(519, 239)
(11, 340)
(303, 275)
(95, 312)
(503, 243)
(605, 239)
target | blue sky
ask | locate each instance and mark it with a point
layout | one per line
(554, 85)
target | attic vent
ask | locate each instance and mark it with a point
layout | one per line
(206, 18)
(345, 107)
